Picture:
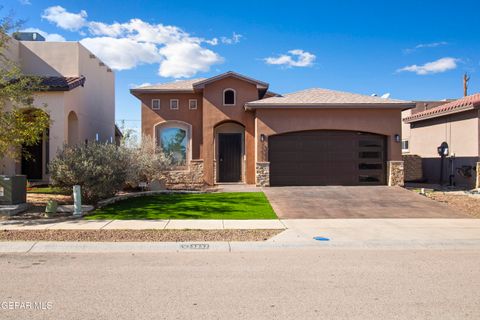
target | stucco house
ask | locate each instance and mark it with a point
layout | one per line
(80, 100)
(455, 122)
(231, 129)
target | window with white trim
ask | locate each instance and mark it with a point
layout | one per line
(405, 146)
(192, 104)
(156, 104)
(229, 97)
(174, 104)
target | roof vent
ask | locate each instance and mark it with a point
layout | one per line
(28, 36)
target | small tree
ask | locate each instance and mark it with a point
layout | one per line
(100, 169)
(20, 123)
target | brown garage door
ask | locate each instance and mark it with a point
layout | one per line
(324, 157)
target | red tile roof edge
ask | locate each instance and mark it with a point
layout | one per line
(466, 103)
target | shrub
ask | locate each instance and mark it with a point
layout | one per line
(147, 162)
(100, 169)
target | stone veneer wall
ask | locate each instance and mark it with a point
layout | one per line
(191, 179)
(413, 167)
(395, 173)
(263, 174)
(477, 185)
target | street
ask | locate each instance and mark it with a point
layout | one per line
(313, 283)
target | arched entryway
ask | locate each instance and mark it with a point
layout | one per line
(229, 152)
(327, 157)
(73, 129)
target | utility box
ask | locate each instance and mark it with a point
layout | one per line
(13, 190)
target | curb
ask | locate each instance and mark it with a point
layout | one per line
(169, 247)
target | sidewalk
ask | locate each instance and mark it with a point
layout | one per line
(80, 224)
(388, 234)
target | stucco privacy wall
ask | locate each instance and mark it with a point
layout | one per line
(384, 122)
(215, 113)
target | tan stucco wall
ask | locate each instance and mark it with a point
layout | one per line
(150, 117)
(460, 131)
(214, 113)
(384, 122)
(50, 58)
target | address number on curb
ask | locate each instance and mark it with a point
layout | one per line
(195, 246)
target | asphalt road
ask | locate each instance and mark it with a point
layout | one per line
(291, 284)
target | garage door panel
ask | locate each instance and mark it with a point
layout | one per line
(327, 158)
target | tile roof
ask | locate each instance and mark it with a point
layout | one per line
(463, 104)
(181, 85)
(62, 83)
(318, 96)
(258, 83)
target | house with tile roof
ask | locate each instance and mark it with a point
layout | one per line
(455, 122)
(79, 98)
(231, 129)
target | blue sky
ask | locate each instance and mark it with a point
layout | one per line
(356, 46)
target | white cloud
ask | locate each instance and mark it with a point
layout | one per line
(234, 39)
(54, 37)
(64, 19)
(126, 45)
(426, 45)
(122, 53)
(145, 84)
(185, 59)
(294, 58)
(25, 2)
(437, 66)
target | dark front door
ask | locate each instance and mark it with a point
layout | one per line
(327, 157)
(32, 161)
(229, 157)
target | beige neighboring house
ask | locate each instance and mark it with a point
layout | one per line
(80, 100)
(456, 122)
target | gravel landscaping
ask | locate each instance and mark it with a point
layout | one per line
(465, 203)
(137, 235)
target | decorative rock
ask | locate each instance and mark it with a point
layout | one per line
(395, 172)
(413, 167)
(263, 174)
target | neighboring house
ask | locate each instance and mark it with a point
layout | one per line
(80, 99)
(454, 122)
(230, 128)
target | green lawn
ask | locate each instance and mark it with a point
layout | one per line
(235, 205)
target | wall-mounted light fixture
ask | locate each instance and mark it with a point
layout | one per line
(397, 138)
(263, 137)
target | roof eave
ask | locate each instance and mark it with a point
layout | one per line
(412, 119)
(259, 84)
(403, 106)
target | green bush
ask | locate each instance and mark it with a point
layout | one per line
(100, 169)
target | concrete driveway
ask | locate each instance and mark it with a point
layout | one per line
(361, 202)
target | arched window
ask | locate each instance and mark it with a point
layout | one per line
(173, 138)
(229, 97)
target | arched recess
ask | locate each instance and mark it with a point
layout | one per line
(230, 157)
(174, 138)
(73, 135)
